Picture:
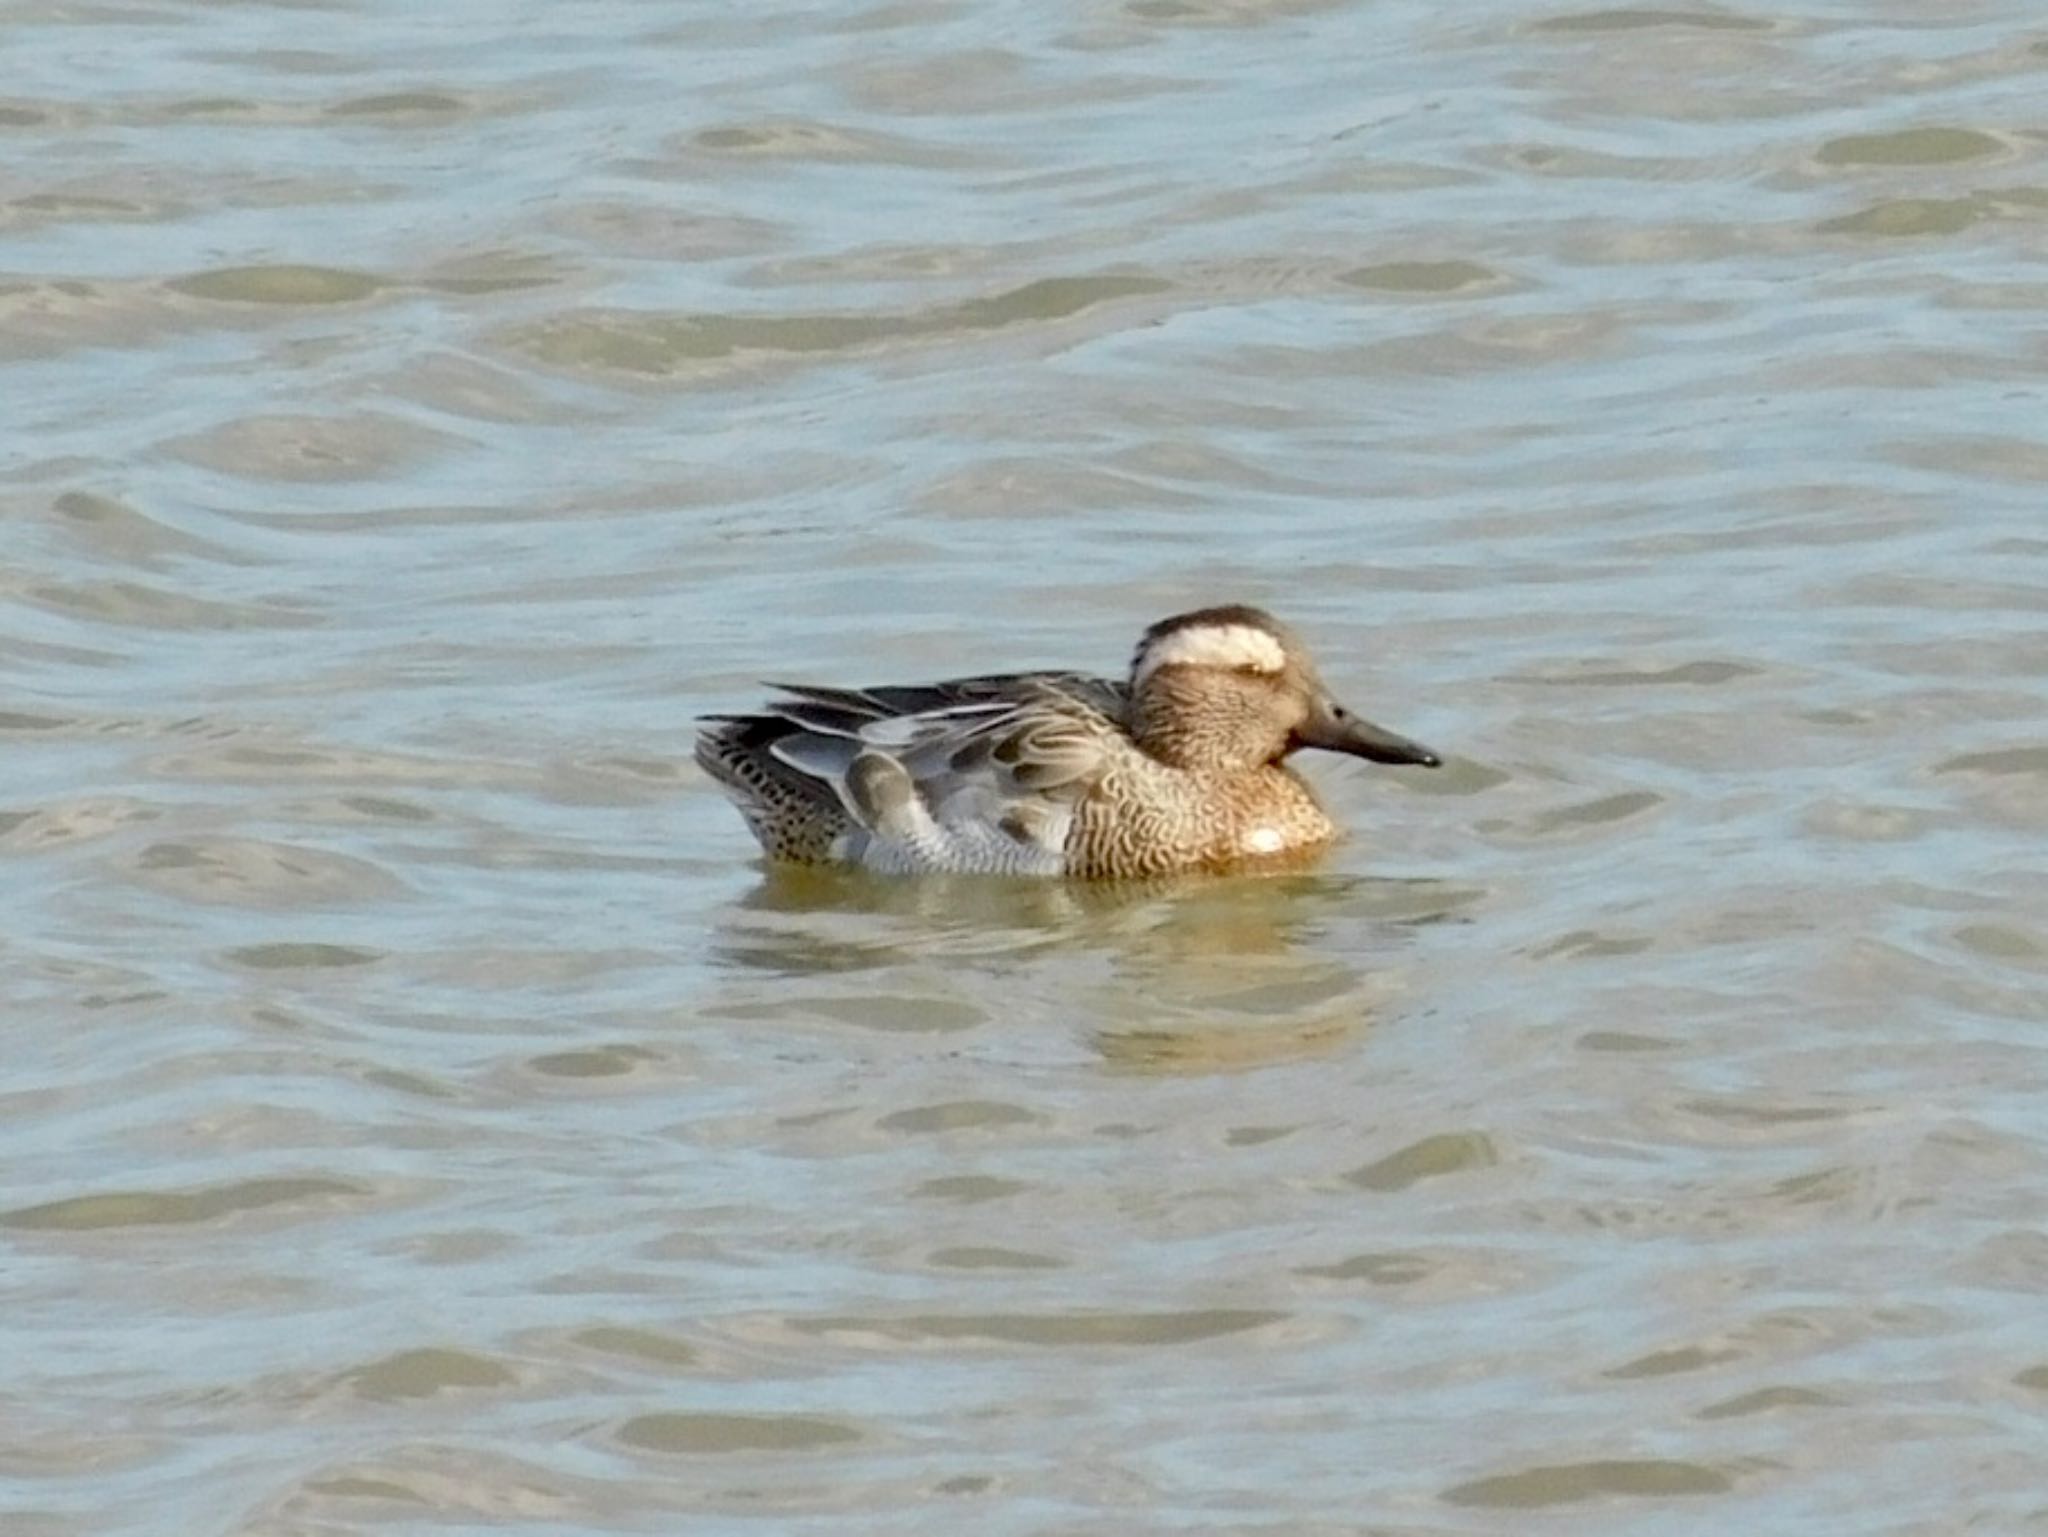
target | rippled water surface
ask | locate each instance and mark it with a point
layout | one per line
(420, 1112)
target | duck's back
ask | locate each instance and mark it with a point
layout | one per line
(968, 775)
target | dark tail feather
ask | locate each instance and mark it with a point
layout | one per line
(737, 750)
(794, 815)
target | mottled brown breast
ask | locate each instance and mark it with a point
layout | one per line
(1146, 820)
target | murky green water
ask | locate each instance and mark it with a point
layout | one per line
(417, 1111)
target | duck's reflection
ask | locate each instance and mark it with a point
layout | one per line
(1192, 974)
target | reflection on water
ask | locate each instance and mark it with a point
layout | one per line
(1237, 913)
(1198, 973)
(419, 1112)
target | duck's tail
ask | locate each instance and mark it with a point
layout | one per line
(794, 815)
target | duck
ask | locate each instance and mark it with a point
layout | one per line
(1180, 766)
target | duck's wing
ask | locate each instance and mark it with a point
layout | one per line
(969, 760)
(1023, 733)
(1105, 695)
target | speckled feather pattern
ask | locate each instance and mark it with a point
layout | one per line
(787, 814)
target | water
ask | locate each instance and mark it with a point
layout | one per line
(418, 1111)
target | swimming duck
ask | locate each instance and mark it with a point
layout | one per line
(1182, 767)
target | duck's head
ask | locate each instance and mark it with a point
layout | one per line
(1233, 687)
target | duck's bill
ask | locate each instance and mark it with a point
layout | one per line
(1338, 730)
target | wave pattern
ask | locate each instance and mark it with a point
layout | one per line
(420, 1113)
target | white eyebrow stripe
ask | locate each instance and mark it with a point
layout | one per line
(1214, 645)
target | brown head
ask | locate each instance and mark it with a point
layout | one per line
(1234, 688)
